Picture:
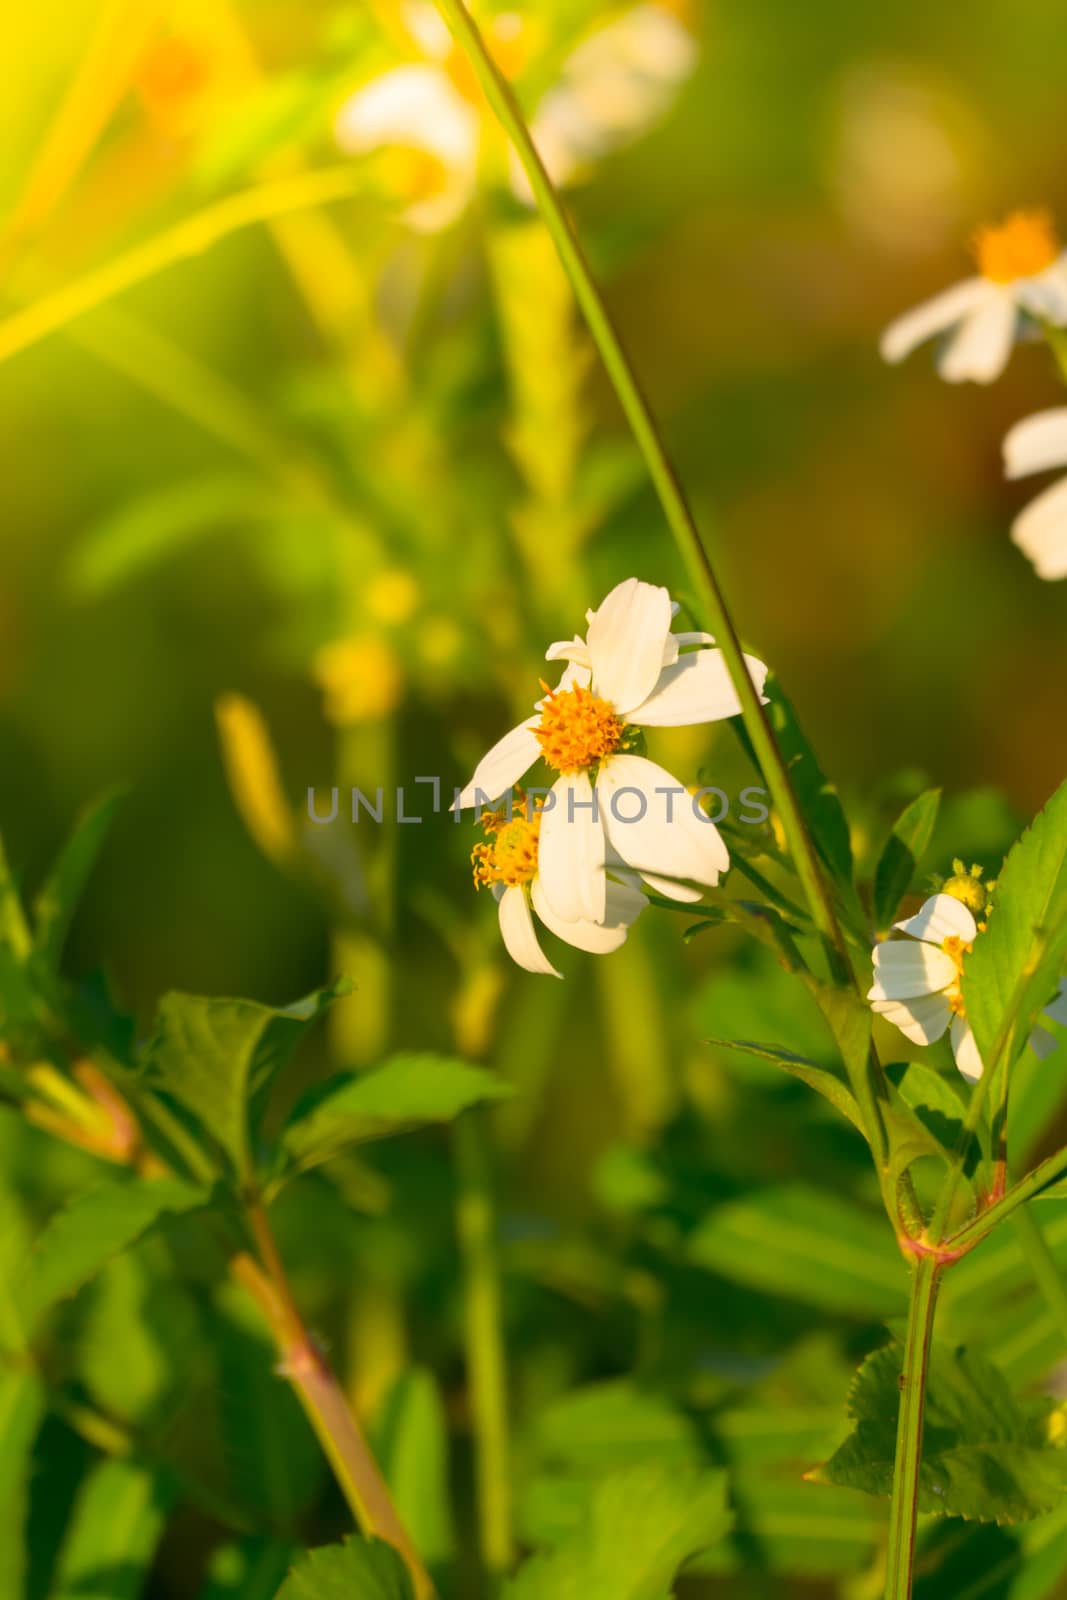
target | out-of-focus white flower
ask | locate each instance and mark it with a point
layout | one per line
(1042, 1042)
(618, 81)
(1021, 270)
(917, 980)
(610, 809)
(1034, 445)
(507, 864)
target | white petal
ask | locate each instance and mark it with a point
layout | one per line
(906, 968)
(670, 890)
(502, 766)
(932, 317)
(1045, 296)
(627, 636)
(978, 351)
(684, 847)
(939, 918)
(571, 852)
(965, 1049)
(697, 688)
(414, 106)
(922, 1020)
(519, 934)
(574, 650)
(1036, 443)
(623, 907)
(1040, 531)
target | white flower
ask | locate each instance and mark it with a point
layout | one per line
(1043, 1043)
(616, 83)
(1021, 270)
(1034, 445)
(917, 980)
(507, 863)
(609, 808)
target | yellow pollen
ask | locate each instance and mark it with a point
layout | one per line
(1021, 246)
(509, 855)
(956, 948)
(577, 729)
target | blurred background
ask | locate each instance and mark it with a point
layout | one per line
(358, 467)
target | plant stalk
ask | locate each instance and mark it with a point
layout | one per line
(324, 1401)
(903, 1508)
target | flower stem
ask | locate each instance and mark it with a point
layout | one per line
(324, 1401)
(903, 1508)
(671, 496)
(1043, 1177)
(486, 1364)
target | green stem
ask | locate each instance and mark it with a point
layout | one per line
(1043, 1177)
(486, 1364)
(868, 1088)
(903, 1508)
(1042, 1264)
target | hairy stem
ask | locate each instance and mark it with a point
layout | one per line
(486, 1364)
(903, 1507)
(324, 1401)
(678, 514)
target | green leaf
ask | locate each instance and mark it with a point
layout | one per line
(641, 1526)
(904, 851)
(248, 1569)
(1016, 964)
(355, 1570)
(819, 1078)
(985, 1456)
(806, 1245)
(58, 900)
(817, 797)
(405, 1092)
(88, 1231)
(412, 1450)
(218, 1059)
(117, 1521)
(802, 1530)
(22, 1409)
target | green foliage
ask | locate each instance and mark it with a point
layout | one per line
(986, 1456)
(826, 1083)
(1016, 965)
(118, 1517)
(57, 901)
(904, 851)
(641, 1526)
(412, 1447)
(371, 1571)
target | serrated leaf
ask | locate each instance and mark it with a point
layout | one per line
(641, 1526)
(1016, 964)
(355, 1570)
(117, 1521)
(805, 1245)
(218, 1059)
(985, 1456)
(407, 1091)
(819, 1078)
(89, 1231)
(904, 851)
(57, 901)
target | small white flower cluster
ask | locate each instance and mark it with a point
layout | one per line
(613, 823)
(614, 85)
(1021, 282)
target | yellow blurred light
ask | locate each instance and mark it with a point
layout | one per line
(360, 678)
(439, 641)
(392, 596)
(252, 772)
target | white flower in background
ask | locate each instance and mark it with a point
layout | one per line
(1034, 445)
(1021, 270)
(615, 84)
(917, 980)
(506, 862)
(611, 809)
(1042, 1042)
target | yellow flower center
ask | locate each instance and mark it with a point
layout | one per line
(509, 855)
(956, 948)
(577, 729)
(1021, 246)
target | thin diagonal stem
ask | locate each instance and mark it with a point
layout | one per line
(678, 514)
(904, 1505)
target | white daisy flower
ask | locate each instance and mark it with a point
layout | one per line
(917, 980)
(1021, 269)
(1034, 445)
(615, 84)
(610, 808)
(507, 863)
